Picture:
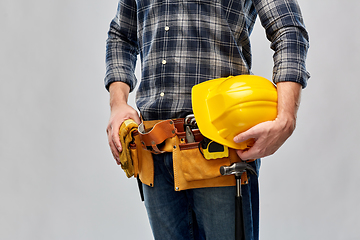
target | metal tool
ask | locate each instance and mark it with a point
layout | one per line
(188, 118)
(238, 169)
(193, 123)
(190, 138)
(210, 149)
(189, 125)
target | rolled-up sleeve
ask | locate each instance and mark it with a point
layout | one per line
(122, 46)
(289, 39)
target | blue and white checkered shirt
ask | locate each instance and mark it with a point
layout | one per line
(185, 42)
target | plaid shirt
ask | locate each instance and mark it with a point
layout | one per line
(185, 42)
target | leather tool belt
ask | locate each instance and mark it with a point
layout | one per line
(191, 169)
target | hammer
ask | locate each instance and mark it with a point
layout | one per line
(238, 169)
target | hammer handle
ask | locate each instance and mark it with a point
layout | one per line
(239, 221)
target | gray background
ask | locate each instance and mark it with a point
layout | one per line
(58, 179)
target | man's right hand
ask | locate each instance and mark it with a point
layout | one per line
(120, 111)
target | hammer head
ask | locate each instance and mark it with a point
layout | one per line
(237, 169)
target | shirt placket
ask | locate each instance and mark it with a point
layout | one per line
(164, 60)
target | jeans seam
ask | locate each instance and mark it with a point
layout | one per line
(191, 224)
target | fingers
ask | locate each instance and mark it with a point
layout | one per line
(265, 143)
(136, 118)
(114, 141)
(118, 116)
(248, 153)
(252, 153)
(251, 133)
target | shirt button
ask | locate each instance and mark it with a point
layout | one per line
(164, 62)
(167, 28)
(162, 94)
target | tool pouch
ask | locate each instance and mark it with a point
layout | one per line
(143, 162)
(152, 137)
(191, 169)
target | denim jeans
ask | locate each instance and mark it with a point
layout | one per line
(196, 214)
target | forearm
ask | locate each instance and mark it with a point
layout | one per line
(120, 110)
(119, 93)
(289, 95)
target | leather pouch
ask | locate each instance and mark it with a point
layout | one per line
(192, 170)
(143, 162)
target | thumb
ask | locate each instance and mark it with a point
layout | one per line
(137, 119)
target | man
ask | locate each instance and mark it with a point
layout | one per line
(183, 43)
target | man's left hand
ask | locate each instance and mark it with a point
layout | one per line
(269, 136)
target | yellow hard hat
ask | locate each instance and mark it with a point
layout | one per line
(225, 107)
